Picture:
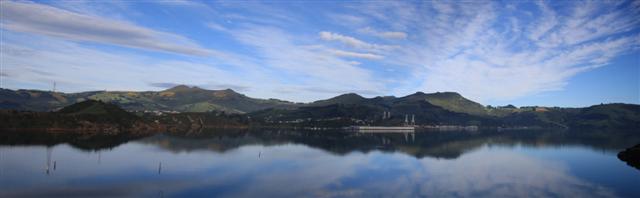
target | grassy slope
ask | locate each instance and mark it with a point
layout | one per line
(456, 103)
(181, 98)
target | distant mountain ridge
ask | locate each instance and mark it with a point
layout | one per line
(451, 110)
(451, 101)
(440, 108)
(180, 98)
(184, 98)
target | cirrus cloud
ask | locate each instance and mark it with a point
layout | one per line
(47, 20)
(490, 52)
(356, 54)
(383, 34)
(353, 42)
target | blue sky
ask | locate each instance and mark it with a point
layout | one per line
(568, 53)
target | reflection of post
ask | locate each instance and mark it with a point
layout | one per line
(413, 119)
(49, 151)
(99, 157)
(386, 141)
(406, 119)
(413, 137)
(159, 168)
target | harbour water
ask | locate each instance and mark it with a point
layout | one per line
(321, 164)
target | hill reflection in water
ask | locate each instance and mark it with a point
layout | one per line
(447, 144)
(443, 144)
(320, 164)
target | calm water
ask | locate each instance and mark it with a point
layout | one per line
(320, 164)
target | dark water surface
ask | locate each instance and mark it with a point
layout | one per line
(320, 164)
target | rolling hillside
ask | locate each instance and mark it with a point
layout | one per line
(370, 111)
(441, 108)
(180, 98)
(193, 99)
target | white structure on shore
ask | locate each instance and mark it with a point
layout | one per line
(406, 120)
(386, 115)
(382, 129)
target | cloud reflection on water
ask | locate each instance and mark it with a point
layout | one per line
(290, 170)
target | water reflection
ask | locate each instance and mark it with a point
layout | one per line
(324, 164)
(447, 145)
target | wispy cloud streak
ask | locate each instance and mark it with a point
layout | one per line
(51, 21)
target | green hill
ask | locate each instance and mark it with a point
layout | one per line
(455, 102)
(351, 109)
(451, 101)
(92, 107)
(89, 115)
(605, 116)
(97, 111)
(179, 98)
(194, 99)
(428, 108)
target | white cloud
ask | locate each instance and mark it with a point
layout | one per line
(545, 24)
(307, 66)
(383, 34)
(77, 68)
(399, 15)
(486, 51)
(466, 47)
(217, 27)
(356, 54)
(347, 20)
(353, 42)
(50, 21)
(542, 178)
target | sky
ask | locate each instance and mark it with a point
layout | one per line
(550, 53)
